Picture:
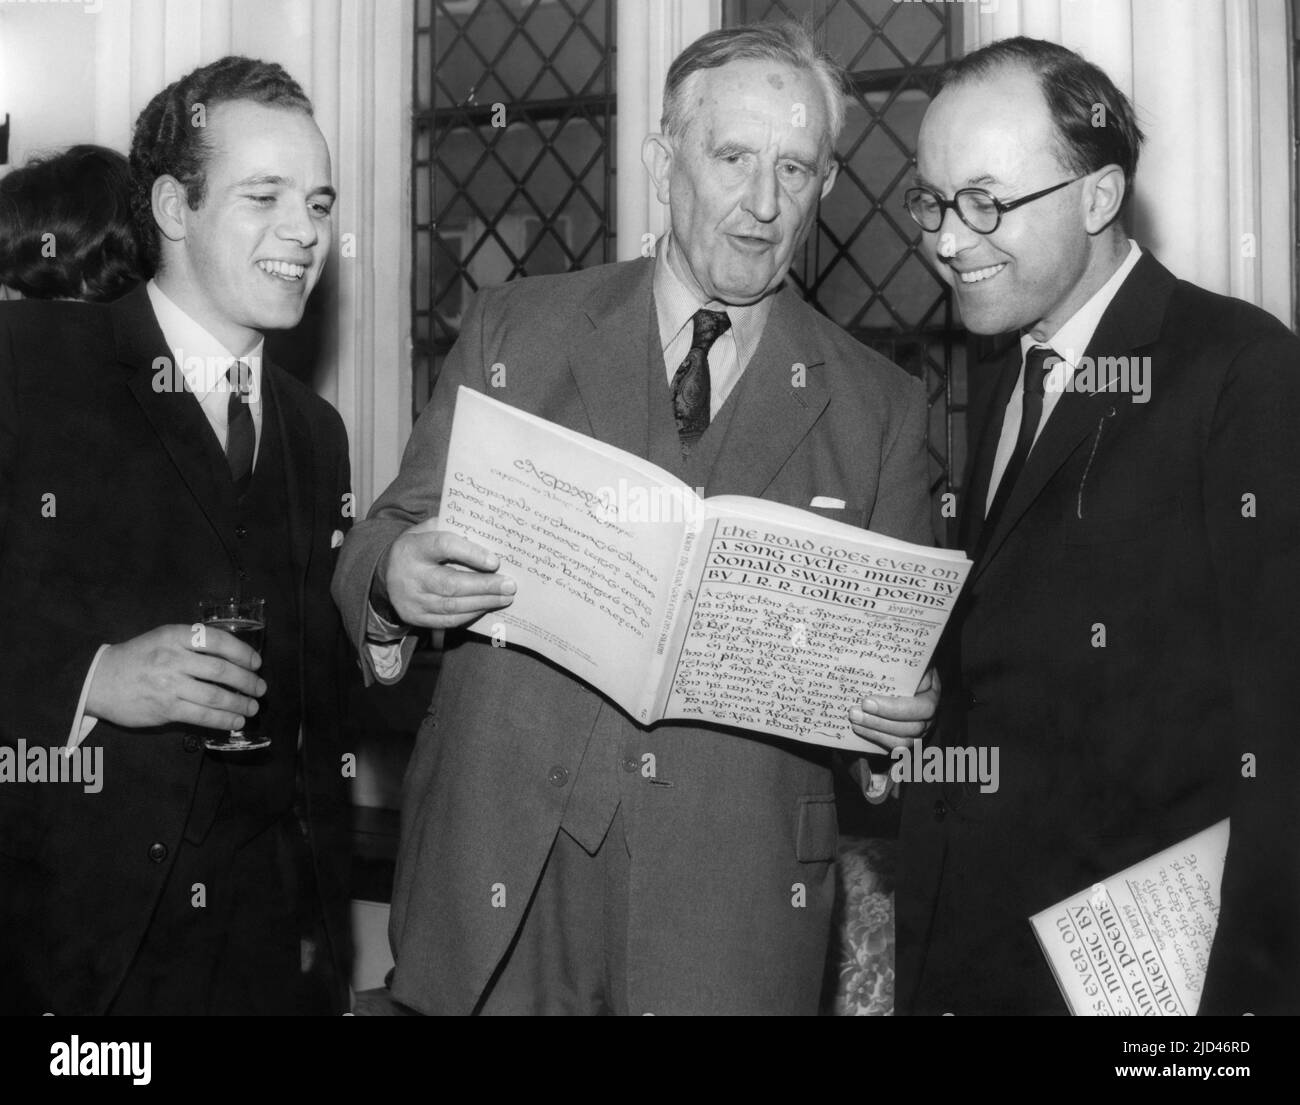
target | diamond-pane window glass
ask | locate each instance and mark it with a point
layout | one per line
(862, 265)
(513, 154)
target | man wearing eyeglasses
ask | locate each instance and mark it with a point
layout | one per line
(1128, 638)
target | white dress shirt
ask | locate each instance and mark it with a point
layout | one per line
(676, 307)
(1069, 343)
(203, 362)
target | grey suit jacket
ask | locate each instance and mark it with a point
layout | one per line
(732, 843)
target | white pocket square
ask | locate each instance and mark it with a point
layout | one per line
(336, 539)
(827, 502)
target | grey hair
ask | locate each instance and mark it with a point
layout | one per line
(786, 42)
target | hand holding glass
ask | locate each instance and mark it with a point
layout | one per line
(246, 620)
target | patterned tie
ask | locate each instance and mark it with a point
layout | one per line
(691, 382)
(240, 435)
(1039, 362)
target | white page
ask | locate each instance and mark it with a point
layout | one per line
(795, 618)
(585, 530)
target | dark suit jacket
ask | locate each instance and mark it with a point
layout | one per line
(1129, 520)
(513, 747)
(139, 531)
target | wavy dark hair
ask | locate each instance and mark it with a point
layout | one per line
(1073, 88)
(66, 230)
(170, 139)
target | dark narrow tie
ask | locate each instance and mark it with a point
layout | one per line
(691, 381)
(240, 436)
(1039, 361)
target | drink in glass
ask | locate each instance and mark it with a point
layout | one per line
(245, 619)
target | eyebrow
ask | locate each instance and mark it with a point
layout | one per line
(729, 146)
(272, 180)
(971, 182)
(740, 147)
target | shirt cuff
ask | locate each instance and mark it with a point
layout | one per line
(876, 785)
(388, 661)
(380, 630)
(388, 646)
(83, 723)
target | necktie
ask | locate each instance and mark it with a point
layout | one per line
(691, 381)
(1038, 363)
(240, 436)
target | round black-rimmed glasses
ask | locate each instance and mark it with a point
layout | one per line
(975, 207)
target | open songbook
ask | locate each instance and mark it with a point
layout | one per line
(729, 610)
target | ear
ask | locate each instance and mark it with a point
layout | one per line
(832, 172)
(169, 207)
(1103, 198)
(657, 157)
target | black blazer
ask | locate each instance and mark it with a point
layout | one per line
(111, 523)
(1130, 633)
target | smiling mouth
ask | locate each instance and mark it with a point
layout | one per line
(283, 270)
(975, 276)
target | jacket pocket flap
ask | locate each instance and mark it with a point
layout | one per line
(818, 829)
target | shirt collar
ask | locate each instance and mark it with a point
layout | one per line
(1071, 341)
(203, 360)
(676, 304)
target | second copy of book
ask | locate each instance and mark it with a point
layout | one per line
(729, 610)
(1139, 943)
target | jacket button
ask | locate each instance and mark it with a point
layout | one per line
(242, 574)
(241, 532)
(940, 810)
(192, 743)
(558, 776)
(157, 852)
(971, 701)
(630, 764)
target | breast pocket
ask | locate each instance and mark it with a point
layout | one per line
(853, 514)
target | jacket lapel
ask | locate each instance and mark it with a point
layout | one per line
(176, 417)
(773, 414)
(608, 364)
(990, 415)
(299, 473)
(607, 360)
(1132, 320)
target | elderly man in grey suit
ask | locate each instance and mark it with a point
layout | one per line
(540, 870)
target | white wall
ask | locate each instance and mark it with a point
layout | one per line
(46, 82)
